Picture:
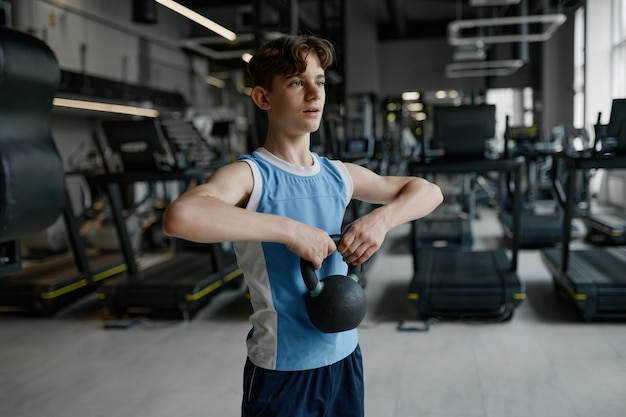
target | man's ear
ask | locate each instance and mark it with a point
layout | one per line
(260, 98)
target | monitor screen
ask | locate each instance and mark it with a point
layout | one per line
(358, 148)
(220, 128)
(139, 143)
(528, 134)
(464, 130)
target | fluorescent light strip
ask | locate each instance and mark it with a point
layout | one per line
(483, 68)
(214, 81)
(198, 18)
(552, 20)
(105, 107)
(479, 3)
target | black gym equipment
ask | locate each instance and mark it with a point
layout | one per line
(467, 283)
(607, 225)
(34, 193)
(593, 279)
(460, 133)
(32, 174)
(185, 283)
(443, 228)
(541, 218)
(335, 303)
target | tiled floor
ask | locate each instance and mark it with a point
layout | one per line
(545, 362)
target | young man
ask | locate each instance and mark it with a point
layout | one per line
(280, 204)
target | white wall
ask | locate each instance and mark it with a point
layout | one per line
(99, 38)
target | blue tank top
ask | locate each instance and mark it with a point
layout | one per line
(283, 337)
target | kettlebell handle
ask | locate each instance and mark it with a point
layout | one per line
(313, 284)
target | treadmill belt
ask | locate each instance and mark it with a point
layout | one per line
(607, 268)
(44, 286)
(179, 286)
(595, 280)
(465, 284)
(606, 228)
(456, 270)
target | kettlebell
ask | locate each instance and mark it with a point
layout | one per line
(335, 303)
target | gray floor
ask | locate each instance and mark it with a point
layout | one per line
(544, 362)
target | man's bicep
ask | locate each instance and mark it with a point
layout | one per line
(231, 183)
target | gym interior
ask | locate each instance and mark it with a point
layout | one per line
(508, 300)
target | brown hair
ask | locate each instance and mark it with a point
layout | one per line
(287, 56)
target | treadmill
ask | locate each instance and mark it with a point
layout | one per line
(449, 225)
(178, 287)
(183, 284)
(593, 279)
(50, 284)
(464, 283)
(541, 219)
(607, 225)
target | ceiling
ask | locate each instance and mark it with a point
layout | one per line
(396, 19)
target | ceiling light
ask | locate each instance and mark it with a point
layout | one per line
(414, 107)
(475, 3)
(211, 53)
(456, 38)
(214, 81)
(105, 107)
(410, 95)
(483, 68)
(471, 52)
(198, 18)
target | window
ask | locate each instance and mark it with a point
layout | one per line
(579, 67)
(619, 49)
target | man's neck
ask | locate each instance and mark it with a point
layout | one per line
(296, 153)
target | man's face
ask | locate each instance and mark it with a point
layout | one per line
(296, 103)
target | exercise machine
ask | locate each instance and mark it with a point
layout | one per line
(185, 282)
(541, 217)
(606, 225)
(463, 282)
(460, 133)
(592, 278)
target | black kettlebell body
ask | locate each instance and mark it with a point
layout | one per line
(336, 303)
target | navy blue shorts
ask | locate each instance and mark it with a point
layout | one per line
(331, 391)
